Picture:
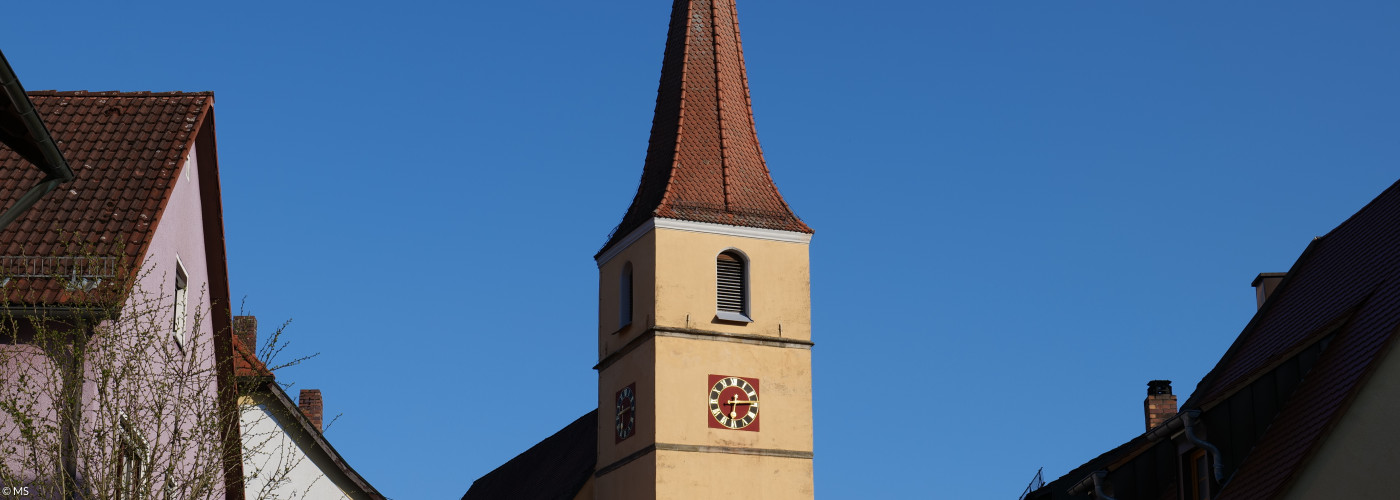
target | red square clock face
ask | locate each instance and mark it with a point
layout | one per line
(733, 403)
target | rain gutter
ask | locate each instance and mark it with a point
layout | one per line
(1092, 482)
(53, 164)
(1187, 420)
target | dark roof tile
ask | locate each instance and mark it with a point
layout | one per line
(1346, 284)
(554, 469)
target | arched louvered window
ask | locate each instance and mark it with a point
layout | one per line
(624, 296)
(732, 287)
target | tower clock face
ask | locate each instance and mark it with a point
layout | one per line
(733, 403)
(626, 412)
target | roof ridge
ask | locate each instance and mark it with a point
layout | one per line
(680, 122)
(1210, 384)
(1374, 200)
(119, 93)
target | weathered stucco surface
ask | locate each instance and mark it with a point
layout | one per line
(780, 301)
(703, 476)
(674, 286)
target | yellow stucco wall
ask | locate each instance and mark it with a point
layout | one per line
(639, 367)
(642, 255)
(779, 284)
(674, 287)
(635, 481)
(703, 476)
(785, 393)
(1358, 458)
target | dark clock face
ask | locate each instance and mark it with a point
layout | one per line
(626, 412)
(733, 403)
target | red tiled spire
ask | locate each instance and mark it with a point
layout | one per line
(704, 163)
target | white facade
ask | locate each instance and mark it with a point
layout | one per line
(281, 460)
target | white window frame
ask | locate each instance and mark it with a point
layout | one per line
(182, 300)
(130, 445)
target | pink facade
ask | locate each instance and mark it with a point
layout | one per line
(155, 408)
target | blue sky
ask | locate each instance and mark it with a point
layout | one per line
(1025, 209)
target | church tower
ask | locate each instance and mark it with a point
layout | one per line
(704, 319)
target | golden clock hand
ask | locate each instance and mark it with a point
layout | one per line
(734, 403)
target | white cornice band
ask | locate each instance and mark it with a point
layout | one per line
(625, 242)
(728, 230)
(702, 227)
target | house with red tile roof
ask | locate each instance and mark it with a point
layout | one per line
(116, 299)
(1301, 406)
(115, 327)
(285, 454)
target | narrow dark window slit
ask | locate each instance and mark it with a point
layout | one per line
(625, 296)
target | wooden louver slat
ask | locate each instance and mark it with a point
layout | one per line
(730, 293)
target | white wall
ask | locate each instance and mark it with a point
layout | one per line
(284, 469)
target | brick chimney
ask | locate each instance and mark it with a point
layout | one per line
(1160, 404)
(310, 404)
(1264, 285)
(246, 328)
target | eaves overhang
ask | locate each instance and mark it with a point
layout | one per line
(700, 227)
(22, 130)
(303, 430)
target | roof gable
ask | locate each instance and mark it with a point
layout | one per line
(1354, 264)
(1353, 272)
(304, 434)
(1340, 303)
(126, 149)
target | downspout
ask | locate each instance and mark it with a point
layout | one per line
(1096, 479)
(1185, 419)
(1098, 487)
(1188, 418)
(70, 352)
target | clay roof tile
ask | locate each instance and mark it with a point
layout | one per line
(704, 163)
(122, 154)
